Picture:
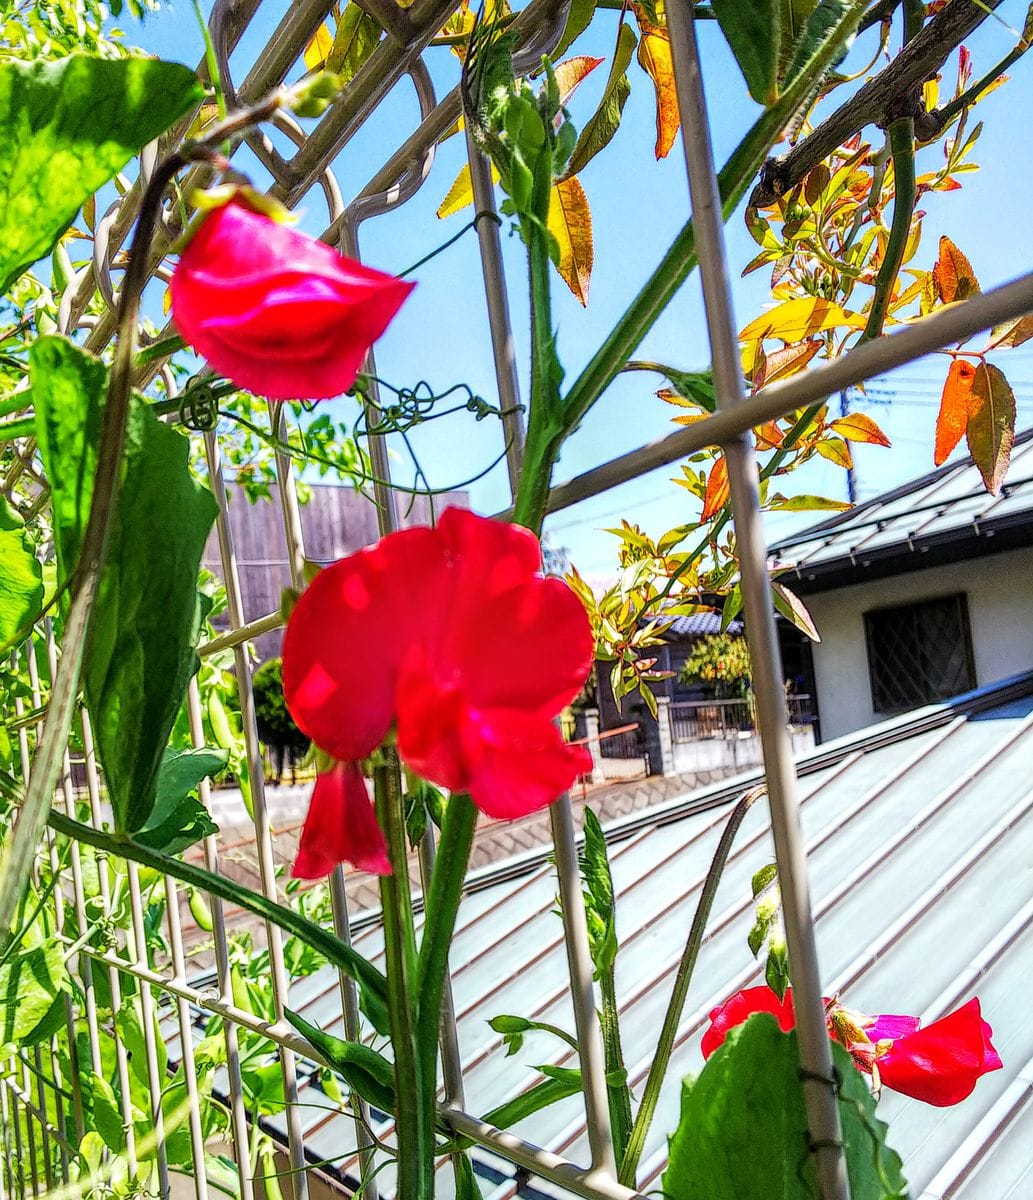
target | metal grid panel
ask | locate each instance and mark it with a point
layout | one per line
(298, 164)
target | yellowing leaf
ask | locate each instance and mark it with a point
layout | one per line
(991, 424)
(654, 56)
(836, 451)
(780, 364)
(718, 490)
(318, 49)
(856, 427)
(798, 319)
(572, 71)
(953, 276)
(793, 609)
(570, 223)
(1011, 333)
(460, 194)
(952, 420)
(166, 302)
(768, 436)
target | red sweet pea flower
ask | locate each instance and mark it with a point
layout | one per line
(340, 825)
(276, 311)
(452, 637)
(939, 1064)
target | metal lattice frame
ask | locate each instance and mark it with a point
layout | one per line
(23, 1086)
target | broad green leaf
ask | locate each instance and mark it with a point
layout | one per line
(793, 609)
(570, 223)
(749, 1094)
(357, 36)
(822, 21)
(66, 128)
(753, 31)
(29, 981)
(579, 17)
(952, 419)
(549, 1091)
(178, 819)
(991, 424)
(364, 1070)
(603, 124)
(130, 1030)
(466, 1181)
(806, 503)
(141, 653)
(21, 576)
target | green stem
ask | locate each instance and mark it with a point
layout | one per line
(902, 150)
(331, 947)
(669, 1030)
(17, 403)
(17, 429)
(414, 1091)
(161, 349)
(616, 1074)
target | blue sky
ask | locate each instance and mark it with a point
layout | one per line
(638, 205)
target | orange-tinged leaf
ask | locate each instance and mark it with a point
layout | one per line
(460, 194)
(836, 451)
(856, 427)
(768, 436)
(802, 318)
(570, 223)
(317, 50)
(718, 491)
(952, 420)
(991, 424)
(1011, 333)
(571, 72)
(953, 276)
(780, 364)
(654, 56)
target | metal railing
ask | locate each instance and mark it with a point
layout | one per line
(695, 720)
(39, 1095)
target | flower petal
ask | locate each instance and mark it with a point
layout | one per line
(740, 1008)
(348, 634)
(888, 1025)
(518, 762)
(941, 1063)
(341, 826)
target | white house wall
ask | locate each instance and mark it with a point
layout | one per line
(999, 588)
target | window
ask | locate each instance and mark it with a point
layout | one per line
(919, 653)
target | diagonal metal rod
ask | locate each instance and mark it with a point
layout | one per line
(820, 1091)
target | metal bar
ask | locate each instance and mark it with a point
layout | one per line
(943, 328)
(819, 1086)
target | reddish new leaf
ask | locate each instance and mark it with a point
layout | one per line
(953, 276)
(856, 427)
(954, 403)
(991, 424)
(717, 493)
(780, 364)
(571, 72)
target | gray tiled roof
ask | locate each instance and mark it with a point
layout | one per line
(920, 836)
(944, 506)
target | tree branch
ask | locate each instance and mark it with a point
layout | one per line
(893, 93)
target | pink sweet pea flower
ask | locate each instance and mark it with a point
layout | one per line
(451, 637)
(275, 311)
(939, 1064)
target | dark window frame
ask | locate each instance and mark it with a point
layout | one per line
(890, 695)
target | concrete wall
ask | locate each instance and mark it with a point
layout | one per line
(728, 756)
(999, 588)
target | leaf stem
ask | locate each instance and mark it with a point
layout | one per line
(414, 1090)
(18, 429)
(669, 1029)
(901, 134)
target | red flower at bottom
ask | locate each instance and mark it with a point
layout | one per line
(939, 1064)
(341, 825)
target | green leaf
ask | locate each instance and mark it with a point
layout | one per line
(753, 30)
(147, 616)
(357, 36)
(66, 128)
(579, 17)
(178, 819)
(599, 904)
(29, 981)
(364, 1070)
(793, 609)
(466, 1182)
(815, 37)
(21, 577)
(806, 503)
(603, 124)
(764, 878)
(750, 1094)
(549, 1091)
